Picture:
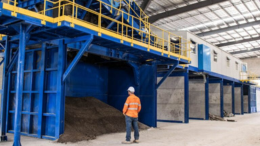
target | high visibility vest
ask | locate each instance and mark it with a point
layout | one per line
(132, 106)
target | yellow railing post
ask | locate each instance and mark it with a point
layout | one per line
(112, 1)
(14, 10)
(162, 42)
(180, 48)
(122, 29)
(73, 14)
(169, 43)
(43, 22)
(132, 41)
(99, 18)
(149, 39)
(59, 14)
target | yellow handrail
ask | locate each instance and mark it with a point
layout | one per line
(248, 76)
(160, 39)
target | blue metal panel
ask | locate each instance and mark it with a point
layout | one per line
(204, 56)
(88, 80)
(119, 79)
(253, 107)
(148, 95)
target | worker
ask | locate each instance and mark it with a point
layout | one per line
(131, 109)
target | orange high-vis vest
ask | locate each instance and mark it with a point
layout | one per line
(132, 106)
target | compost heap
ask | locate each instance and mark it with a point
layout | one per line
(86, 118)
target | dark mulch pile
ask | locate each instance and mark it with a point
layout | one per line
(86, 118)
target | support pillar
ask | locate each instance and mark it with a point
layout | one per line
(19, 86)
(186, 96)
(60, 101)
(233, 98)
(207, 98)
(3, 129)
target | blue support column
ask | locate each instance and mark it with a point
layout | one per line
(60, 101)
(207, 98)
(19, 86)
(242, 100)
(78, 56)
(41, 91)
(221, 99)
(186, 96)
(249, 99)
(167, 74)
(233, 98)
(3, 109)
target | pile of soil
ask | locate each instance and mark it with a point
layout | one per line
(86, 118)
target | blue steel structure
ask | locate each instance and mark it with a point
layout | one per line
(204, 67)
(179, 72)
(39, 74)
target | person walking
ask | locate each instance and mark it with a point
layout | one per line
(131, 110)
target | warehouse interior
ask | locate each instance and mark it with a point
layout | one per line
(66, 67)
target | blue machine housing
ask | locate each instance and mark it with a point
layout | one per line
(204, 58)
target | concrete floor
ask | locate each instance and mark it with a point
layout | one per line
(246, 131)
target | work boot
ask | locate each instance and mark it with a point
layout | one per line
(136, 141)
(126, 142)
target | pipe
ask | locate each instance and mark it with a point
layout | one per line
(203, 75)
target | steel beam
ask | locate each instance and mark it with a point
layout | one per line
(60, 96)
(41, 91)
(78, 56)
(233, 98)
(145, 4)
(87, 6)
(19, 86)
(238, 42)
(207, 98)
(228, 28)
(167, 75)
(136, 69)
(185, 9)
(3, 109)
(13, 61)
(245, 51)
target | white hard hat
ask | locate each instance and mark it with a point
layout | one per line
(131, 89)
